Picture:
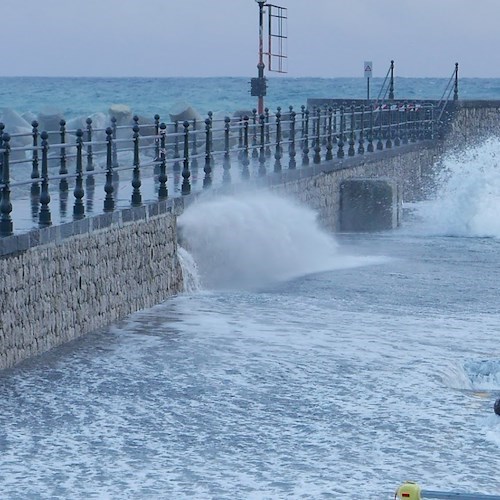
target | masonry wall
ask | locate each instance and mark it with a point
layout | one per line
(55, 292)
(318, 187)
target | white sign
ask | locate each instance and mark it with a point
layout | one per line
(368, 69)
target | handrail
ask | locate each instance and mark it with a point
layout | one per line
(176, 151)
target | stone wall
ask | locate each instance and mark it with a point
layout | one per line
(410, 166)
(471, 122)
(55, 292)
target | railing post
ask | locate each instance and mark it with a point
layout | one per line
(302, 120)
(262, 149)
(255, 152)
(211, 118)
(136, 200)
(413, 123)
(162, 177)
(351, 151)
(340, 143)
(194, 151)
(109, 202)
(397, 140)
(268, 138)
(2, 128)
(226, 176)
(325, 125)
(305, 147)
(245, 159)
(405, 124)
(186, 174)
(176, 166)
(79, 209)
(277, 153)
(207, 181)
(455, 88)
(6, 226)
(329, 143)
(317, 142)
(380, 144)
(370, 147)
(35, 173)
(361, 142)
(388, 142)
(157, 141)
(90, 165)
(115, 153)
(63, 170)
(334, 138)
(44, 219)
(292, 164)
(391, 83)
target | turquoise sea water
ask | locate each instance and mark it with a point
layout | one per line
(303, 365)
(84, 96)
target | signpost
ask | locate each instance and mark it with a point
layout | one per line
(368, 65)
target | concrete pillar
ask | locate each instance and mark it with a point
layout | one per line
(369, 205)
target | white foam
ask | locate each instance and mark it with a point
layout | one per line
(467, 201)
(255, 239)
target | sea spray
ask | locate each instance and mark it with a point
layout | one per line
(467, 199)
(190, 274)
(254, 239)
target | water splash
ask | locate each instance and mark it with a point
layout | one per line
(190, 274)
(254, 239)
(467, 202)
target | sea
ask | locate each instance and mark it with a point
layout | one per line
(297, 363)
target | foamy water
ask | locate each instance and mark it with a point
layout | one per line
(467, 202)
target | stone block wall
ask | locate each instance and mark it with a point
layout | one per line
(410, 167)
(55, 292)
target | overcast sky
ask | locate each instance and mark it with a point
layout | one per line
(326, 38)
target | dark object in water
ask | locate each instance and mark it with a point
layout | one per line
(496, 407)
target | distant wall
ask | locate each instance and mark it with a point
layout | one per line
(472, 122)
(318, 186)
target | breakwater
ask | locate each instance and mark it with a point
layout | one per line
(63, 280)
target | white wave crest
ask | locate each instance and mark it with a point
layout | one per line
(467, 201)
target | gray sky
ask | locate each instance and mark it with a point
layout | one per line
(326, 38)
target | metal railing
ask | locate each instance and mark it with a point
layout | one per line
(168, 157)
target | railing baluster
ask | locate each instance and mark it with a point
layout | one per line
(262, 150)
(317, 142)
(351, 151)
(292, 164)
(340, 143)
(79, 193)
(136, 200)
(370, 147)
(186, 174)
(380, 144)
(277, 153)
(388, 142)
(109, 202)
(361, 142)
(226, 177)
(6, 225)
(35, 173)
(162, 177)
(207, 181)
(329, 142)
(245, 159)
(305, 147)
(255, 151)
(44, 219)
